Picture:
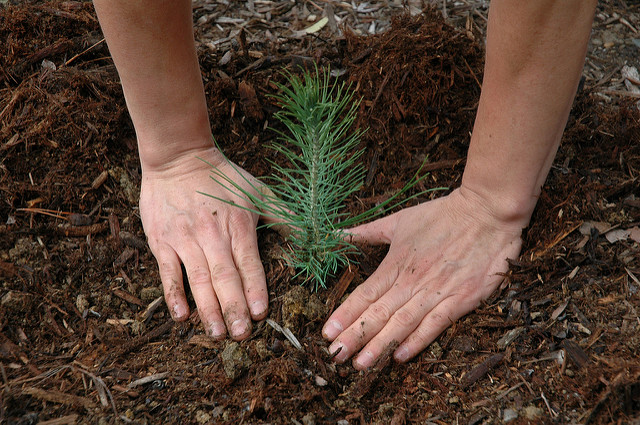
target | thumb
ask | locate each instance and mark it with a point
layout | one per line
(377, 232)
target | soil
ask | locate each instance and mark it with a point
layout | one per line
(86, 338)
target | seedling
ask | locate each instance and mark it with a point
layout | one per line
(309, 193)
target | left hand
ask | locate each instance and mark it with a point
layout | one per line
(445, 257)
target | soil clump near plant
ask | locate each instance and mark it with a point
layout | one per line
(81, 323)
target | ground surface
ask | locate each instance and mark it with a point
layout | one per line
(81, 318)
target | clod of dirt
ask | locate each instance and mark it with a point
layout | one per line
(150, 293)
(202, 417)
(130, 189)
(22, 250)
(532, 412)
(82, 303)
(235, 360)
(299, 302)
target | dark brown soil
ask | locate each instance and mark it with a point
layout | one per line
(560, 343)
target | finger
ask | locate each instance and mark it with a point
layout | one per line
(360, 299)
(171, 277)
(204, 295)
(244, 242)
(377, 232)
(228, 287)
(433, 324)
(401, 323)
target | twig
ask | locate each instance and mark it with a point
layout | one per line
(551, 411)
(515, 387)
(622, 93)
(83, 52)
(384, 83)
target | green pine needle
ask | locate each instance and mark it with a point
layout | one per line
(310, 193)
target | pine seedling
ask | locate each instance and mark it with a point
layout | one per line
(309, 193)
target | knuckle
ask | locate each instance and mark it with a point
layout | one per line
(241, 221)
(368, 293)
(199, 276)
(380, 312)
(405, 317)
(224, 273)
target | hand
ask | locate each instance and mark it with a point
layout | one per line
(215, 241)
(445, 257)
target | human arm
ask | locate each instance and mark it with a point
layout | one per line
(447, 255)
(152, 45)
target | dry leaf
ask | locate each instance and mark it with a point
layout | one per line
(600, 226)
(634, 233)
(317, 26)
(617, 235)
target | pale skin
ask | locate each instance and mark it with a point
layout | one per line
(445, 256)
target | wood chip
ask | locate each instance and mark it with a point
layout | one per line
(203, 341)
(509, 337)
(63, 420)
(148, 379)
(59, 397)
(121, 293)
(364, 384)
(575, 353)
(560, 309)
(481, 370)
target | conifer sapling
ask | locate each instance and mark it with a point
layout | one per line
(309, 193)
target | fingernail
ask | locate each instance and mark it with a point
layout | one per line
(402, 354)
(217, 330)
(342, 355)
(179, 311)
(239, 327)
(332, 329)
(365, 359)
(258, 308)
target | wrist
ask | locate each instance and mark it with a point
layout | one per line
(511, 212)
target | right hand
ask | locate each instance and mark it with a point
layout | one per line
(216, 242)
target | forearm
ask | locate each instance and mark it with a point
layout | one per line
(535, 54)
(152, 45)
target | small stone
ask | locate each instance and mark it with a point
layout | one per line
(454, 400)
(82, 303)
(309, 419)
(532, 412)
(149, 294)
(509, 415)
(342, 422)
(320, 381)
(569, 373)
(235, 360)
(202, 417)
